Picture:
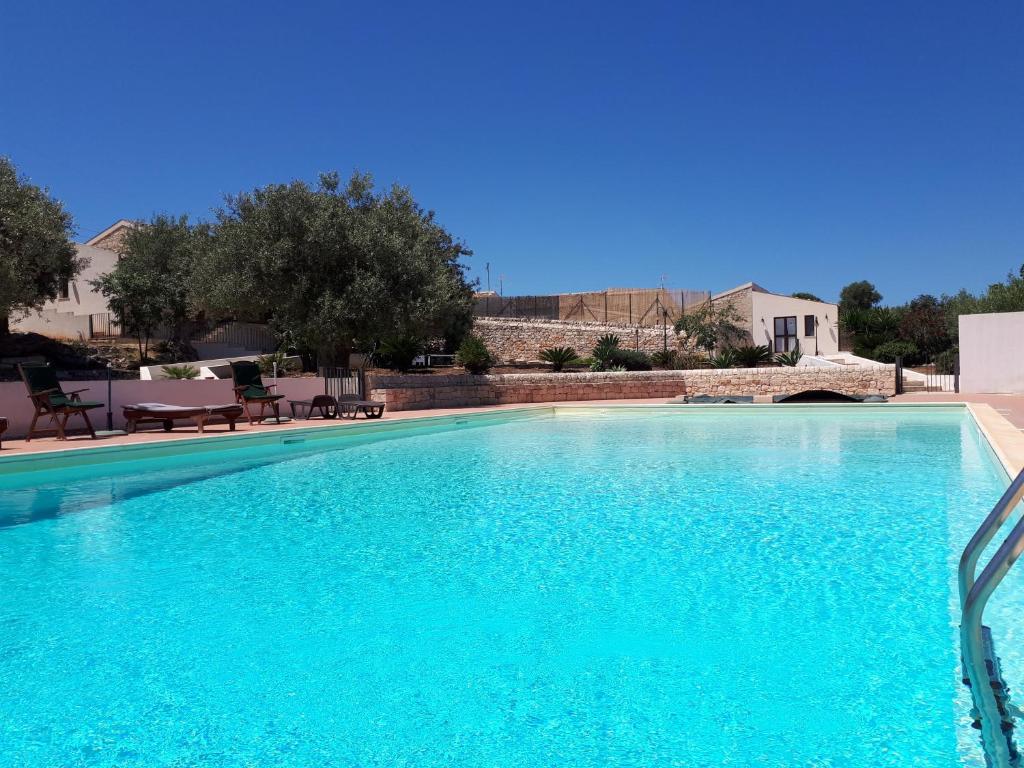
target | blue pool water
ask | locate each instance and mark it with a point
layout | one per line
(748, 588)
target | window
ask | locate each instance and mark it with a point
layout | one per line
(65, 290)
(785, 334)
(809, 324)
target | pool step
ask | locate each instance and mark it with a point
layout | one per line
(1002, 694)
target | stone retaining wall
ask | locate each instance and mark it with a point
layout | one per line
(522, 339)
(403, 393)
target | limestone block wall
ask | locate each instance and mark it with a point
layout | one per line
(417, 392)
(522, 339)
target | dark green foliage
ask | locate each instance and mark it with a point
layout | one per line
(859, 295)
(805, 295)
(559, 357)
(398, 352)
(752, 355)
(280, 359)
(336, 268)
(37, 255)
(890, 350)
(473, 355)
(789, 359)
(608, 355)
(666, 358)
(871, 327)
(924, 324)
(149, 288)
(724, 359)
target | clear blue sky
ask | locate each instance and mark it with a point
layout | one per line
(573, 146)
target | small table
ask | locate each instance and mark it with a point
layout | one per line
(3, 428)
(326, 404)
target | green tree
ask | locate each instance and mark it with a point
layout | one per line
(149, 288)
(37, 255)
(924, 325)
(859, 295)
(711, 325)
(334, 268)
(805, 295)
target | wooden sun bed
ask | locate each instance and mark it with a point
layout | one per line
(167, 414)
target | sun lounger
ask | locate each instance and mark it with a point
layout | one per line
(349, 407)
(167, 414)
(49, 399)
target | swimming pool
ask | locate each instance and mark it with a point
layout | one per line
(695, 587)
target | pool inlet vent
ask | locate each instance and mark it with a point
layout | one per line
(1001, 691)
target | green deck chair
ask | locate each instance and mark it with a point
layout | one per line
(250, 390)
(51, 400)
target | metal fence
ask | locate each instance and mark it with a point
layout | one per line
(339, 382)
(249, 336)
(104, 325)
(937, 374)
(616, 306)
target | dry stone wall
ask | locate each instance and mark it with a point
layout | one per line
(522, 339)
(403, 393)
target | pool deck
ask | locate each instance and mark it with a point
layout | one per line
(1000, 417)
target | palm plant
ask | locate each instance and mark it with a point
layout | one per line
(559, 357)
(279, 358)
(752, 355)
(180, 372)
(789, 359)
(724, 359)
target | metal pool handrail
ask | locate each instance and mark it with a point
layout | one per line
(974, 595)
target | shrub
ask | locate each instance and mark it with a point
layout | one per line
(691, 362)
(890, 350)
(791, 358)
(473, 355)
(398, 352)
(608, 355)
(664, 358)
(559, 357)
(284, 365)
(724, 359)
(180, 372)
(752, 355)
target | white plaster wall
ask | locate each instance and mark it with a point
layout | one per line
(69, 318)
(768, 306)
(15, 405)
(992, 352)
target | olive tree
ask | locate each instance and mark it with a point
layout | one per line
(37, 255)
(332, 268)
(149, 288)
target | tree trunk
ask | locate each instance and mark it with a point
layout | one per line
(5, 326)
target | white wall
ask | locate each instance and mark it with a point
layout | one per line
(15, 405)
(69, 318)
(992, 352)
(768, 306)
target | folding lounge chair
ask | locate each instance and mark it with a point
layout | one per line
(51, 400)
(250, 390)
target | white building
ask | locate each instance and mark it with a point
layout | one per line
(80, 311)
(782, 322)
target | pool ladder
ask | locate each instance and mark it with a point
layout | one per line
(993, 713)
